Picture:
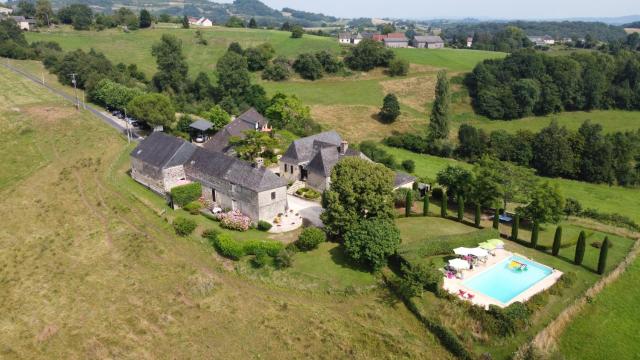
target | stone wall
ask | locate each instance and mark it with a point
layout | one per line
(172, 177)
(290, 176)
(148, 176)
(317, 182)
(269, 208)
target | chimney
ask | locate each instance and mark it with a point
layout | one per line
(344, 145)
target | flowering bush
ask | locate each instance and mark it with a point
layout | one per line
(234, 220)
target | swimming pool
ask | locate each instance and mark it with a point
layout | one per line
(503, 283)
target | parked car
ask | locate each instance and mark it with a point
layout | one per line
(200, 138)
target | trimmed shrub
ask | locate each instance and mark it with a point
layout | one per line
(443, 205)
(283, 259)
(264, 225)
(425, 205)
(259, 260)
(398, 67)
(253, 247)
(228, 247)
(408, 203)
(211, 235)
(184, 194)
(476, 219)
(310, 238)
(580, 248)
(496, 219)
(437, 193)
(557, 241)
(184, 226)
(534, 235)
(460, 208)
(602, 260)
(193, 207)
(514, 227)
(409, 165)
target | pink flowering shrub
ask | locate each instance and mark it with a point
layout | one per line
(234, 220)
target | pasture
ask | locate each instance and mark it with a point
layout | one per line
(91, 268)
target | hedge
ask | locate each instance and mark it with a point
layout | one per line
(184, 226)
(310, 238)
(184, 194)
(234, 249)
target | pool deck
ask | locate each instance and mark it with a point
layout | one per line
(455, 285)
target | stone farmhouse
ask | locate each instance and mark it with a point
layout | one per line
(162, 162)
(346, 38)
(249, 120)
(312, 158)
(427, 42)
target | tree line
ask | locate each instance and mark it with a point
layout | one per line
(532, 83)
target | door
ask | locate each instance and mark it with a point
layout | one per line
(234, 205)
(213, 195)
(303, 173)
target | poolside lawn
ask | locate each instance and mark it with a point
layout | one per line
(420, 228)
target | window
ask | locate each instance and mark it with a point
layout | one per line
(273, 195)
(233, 187)
(285, 168)
(213, 195)
(291, 169)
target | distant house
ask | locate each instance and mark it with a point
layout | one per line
(204, 22)
(162, 162)
(349, 38)
(311, 159)
(24, 23)
(428, 42)
(469, 41)
(5, 11)
(545, 40)
(396, 42)
(249, 120)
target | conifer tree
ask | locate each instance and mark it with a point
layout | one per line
(439, 120)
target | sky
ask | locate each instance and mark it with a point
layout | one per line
(493, 9)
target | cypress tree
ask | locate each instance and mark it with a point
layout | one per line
(604, 251)
(476, 220)
(460, 208)
(534, 235)
(408, 203)
(439, 119)
(557, 241)
(496, 219)
(185, 22)
(425, 205)
(580, 247)
(443, 205)
(514, 227)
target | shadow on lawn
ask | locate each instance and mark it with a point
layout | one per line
(339, 257)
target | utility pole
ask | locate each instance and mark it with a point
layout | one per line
(75, 89)
(127, 122)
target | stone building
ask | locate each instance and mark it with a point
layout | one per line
(427, 42)
(162, 162)
(249, 120)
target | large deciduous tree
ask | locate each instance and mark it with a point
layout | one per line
(367, 55)
(546, 204)
(172, 65)
(233, 75)
(154, 109)
(359, 190)
(390, 109)
(371, 241)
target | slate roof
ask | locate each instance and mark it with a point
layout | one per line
(429, 39)
(163, 151)
(344, 35)
(201, 124)
(302, 150)
(395, 40)
(403, 179)
(234, 170)
(246, 121)
(327, 157)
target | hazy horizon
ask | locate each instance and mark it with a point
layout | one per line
(488, 9)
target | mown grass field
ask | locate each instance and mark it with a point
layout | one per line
(607, 327)
(91, 270)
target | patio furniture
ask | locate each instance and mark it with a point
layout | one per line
(459, 264)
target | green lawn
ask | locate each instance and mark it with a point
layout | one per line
(455, 60)
(135, 47)
(607, 328)
(611, 121)
(420, 228)
(605, 198)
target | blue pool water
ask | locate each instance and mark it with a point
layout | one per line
(503, 284)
